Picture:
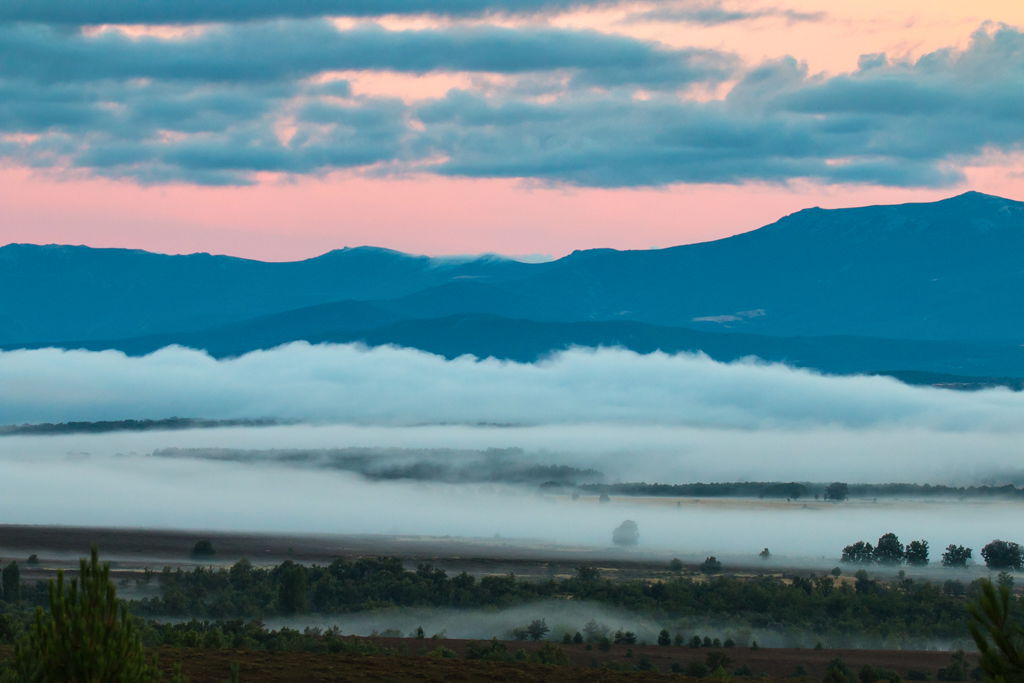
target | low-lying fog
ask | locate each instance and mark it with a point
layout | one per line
(571, 616)
(657, 418)
(80, 480)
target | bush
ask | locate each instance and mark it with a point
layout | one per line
(495, 651)
(838, 672)
(697, 670)
(711, 565)
(87, 635)
(549, 653)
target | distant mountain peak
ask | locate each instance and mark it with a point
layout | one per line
(362, 250)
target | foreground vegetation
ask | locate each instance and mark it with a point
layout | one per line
(860, 609)
(87, 634)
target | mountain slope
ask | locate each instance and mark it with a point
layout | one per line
(945, 270)
(948, 270)
(528, 340)
(68, 292)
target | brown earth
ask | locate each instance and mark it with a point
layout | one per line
(410, 664)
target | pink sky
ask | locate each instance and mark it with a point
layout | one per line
(285, 218)
(287, 221)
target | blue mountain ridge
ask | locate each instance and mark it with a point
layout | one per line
(928, 287)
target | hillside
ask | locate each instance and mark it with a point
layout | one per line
(915, 287)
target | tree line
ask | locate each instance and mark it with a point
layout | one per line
(998, 554)
(868, 610)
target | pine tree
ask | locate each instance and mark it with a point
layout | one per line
(11, 579)
(1000, 641)
(87, 636)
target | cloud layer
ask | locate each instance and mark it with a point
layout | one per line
(386, 385)
(655, 418)
(220, 103)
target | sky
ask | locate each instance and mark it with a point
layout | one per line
(531, 128)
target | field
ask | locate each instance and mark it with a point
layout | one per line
(776, 664)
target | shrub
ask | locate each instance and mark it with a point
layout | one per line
(87, 635)
(711, 565)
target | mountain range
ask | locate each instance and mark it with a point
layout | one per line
(915, 290)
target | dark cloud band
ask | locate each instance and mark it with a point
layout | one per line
(205, 11)
(574, 107)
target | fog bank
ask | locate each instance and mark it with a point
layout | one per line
(144, 491)
(349, 383)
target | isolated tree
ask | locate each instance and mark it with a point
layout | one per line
(1002, 555)
(956, 556)
(664, 638)
(11, 579)
(917, 553)
(676, 564)
(537, 629)
(999, 638)
(837, 491)
(889, 549)
(626, 533)
(765, 554)
(858, 553)
(594, 631)
(711, 565)
(87, 635)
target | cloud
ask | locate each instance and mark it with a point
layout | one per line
(205, 11)
(401, 386)
(654, 417)
(298, 49)
(896, 123)
(573, 107)
(714, 14)
(55, 480)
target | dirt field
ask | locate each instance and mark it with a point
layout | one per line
(131, 550)
(773, 664)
